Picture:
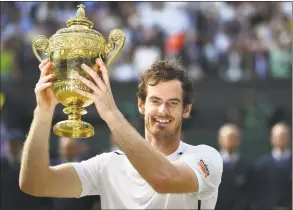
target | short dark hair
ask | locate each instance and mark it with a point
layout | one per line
(166, 70)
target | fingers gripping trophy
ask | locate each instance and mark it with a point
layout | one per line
(68, 49)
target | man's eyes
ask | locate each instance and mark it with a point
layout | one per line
(173, 102)
(155, 101)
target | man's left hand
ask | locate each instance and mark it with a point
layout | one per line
(102, 94)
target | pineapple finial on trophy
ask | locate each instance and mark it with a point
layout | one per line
(80, 11)
(80, 18)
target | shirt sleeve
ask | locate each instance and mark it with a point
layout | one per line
(207, 164)
(90, 173)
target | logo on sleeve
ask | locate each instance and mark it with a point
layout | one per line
(204, 168)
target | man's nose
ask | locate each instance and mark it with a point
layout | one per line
(163, 109)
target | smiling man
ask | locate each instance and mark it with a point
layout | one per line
(155, 172)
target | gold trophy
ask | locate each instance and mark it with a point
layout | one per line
(68, 48)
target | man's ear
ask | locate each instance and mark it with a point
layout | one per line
(140, 104)
(186, 111)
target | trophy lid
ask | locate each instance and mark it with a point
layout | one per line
(80, 18)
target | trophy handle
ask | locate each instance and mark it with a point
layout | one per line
(40, 43)
(116, 36)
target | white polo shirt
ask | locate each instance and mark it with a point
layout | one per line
(112, 176)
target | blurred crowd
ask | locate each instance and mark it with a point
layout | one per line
(233, 41)
(229, 41)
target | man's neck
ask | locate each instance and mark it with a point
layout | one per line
(166, 146)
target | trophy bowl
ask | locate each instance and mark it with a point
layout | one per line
(68, 48)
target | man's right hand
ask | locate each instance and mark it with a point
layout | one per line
(46, 100)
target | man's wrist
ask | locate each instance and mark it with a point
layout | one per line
(42, 112)
(113, 117)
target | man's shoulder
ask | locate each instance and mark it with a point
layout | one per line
(105, 157)
(203, 152)
(202, 148)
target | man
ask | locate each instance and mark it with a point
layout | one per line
(233, 191)
(71, 150)
(158, 172)
(273, 173)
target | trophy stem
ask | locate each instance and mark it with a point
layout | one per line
(74, 112)
(74, 117)
(74, 127)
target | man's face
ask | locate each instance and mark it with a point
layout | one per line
(229, 140)
(163, 109)
(280, 137)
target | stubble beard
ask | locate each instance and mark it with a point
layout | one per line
(163, 133)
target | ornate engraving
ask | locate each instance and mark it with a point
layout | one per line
(78, 29)
(78, 41)
(116, 36)
(40, 43)
(69, 85)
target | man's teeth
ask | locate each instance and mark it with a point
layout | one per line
(163, 121)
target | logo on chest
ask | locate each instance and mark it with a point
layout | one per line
(204, 168)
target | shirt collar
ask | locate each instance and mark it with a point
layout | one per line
(229, 157)
(279, 155)
(177, 153)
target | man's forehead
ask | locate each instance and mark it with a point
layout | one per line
(280, 129)
(166, 90)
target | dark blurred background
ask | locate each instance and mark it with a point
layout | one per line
(239, 55)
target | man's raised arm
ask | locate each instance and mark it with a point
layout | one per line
(37, 178)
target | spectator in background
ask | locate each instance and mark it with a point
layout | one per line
(272, 179)
(234, 72)
(72, 150)
(125, 72)
(281, 58)
(211, 57)
(191, 54)
(234, 189)
(10, 25)
(146, 52)
(9, 65)
(261, 65)
(159, 13)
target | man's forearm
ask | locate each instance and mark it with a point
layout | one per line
(35, 156)
(152, 165)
